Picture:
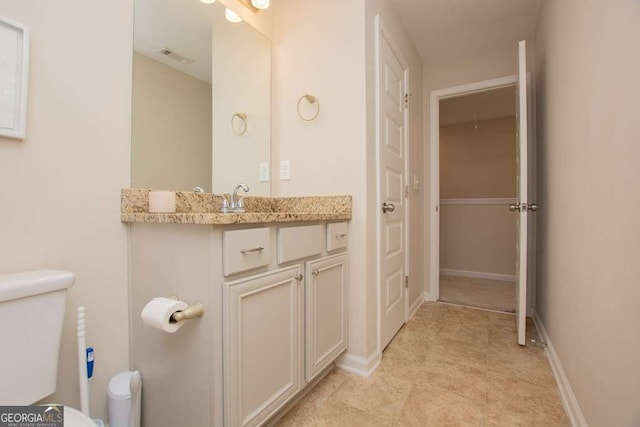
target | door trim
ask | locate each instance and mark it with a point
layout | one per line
(432, 293)
(380, 32)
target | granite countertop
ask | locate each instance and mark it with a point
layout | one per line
(204, 208)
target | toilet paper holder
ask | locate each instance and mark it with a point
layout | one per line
(193, 311)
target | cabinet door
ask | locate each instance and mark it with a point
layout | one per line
(262, 345)
(326, 312)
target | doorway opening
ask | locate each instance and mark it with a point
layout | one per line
(478, 182)
(468, 215)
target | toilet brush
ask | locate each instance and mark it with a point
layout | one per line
(82, 360)
(85, 363)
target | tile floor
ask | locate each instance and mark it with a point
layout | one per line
(482, 293)
(449, 366)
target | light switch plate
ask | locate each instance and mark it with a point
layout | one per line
(285, 170)
(264, 172)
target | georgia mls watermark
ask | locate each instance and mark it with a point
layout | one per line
(32, 416)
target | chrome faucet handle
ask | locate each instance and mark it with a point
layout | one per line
(234, 204)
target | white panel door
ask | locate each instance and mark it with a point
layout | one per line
(392, 77)
(523, 201)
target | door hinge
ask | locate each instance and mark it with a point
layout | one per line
(406, 99)
(406, 281)
(406, 191)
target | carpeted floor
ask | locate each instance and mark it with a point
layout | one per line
(482, 293)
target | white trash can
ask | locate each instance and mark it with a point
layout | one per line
(121, 388)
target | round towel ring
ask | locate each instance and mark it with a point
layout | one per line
(242, 129)
(311, 100)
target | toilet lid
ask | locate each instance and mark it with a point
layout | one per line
(75, 418)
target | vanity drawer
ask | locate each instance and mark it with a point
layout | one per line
(336, 236)
(244, 250)
(299, 242)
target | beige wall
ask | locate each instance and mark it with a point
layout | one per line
(588, 132)
(327, 155)
(171, 128)
(478, 238)
(468, 69)
(241, 83)
(477, 163)
(327, 50)
(60, 187)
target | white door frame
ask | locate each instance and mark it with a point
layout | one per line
(381, 31)
(433, 291)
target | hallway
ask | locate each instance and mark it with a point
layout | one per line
(448, 366)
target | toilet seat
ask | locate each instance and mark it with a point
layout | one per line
(75, 418)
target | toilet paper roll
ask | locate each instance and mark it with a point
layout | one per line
(157, 314)
(162, 201)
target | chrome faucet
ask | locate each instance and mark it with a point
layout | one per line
(234, 204)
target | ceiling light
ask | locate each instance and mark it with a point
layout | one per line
(260, 4)
(232, 16)
(208, 1)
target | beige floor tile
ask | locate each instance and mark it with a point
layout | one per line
(404, 357)
(314, 400)
(512, 396)
(458, 352)
(464, 380)
(425, 327)
(333, 413)
(472, 316)
(459, 330)
(380, 395)
(528, 363)
(427, 406)
(450, 366)
(502, 321)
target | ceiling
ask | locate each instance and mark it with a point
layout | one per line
(492, 104)
(182, 26)
(446, 29)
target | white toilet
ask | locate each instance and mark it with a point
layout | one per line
(32, 306)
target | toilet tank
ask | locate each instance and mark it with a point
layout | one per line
(32, 306)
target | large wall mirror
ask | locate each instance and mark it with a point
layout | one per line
(201, 99)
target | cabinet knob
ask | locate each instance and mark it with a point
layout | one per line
(299, 277)
(315, 272)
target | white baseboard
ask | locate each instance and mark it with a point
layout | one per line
(427, 296)
(415, 306)
(478, 275)
(359, 365)
(569, 401)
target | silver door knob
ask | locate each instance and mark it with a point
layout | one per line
(388, 207)
(514, 207)
(533, 207)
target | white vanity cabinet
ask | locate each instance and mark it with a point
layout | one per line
(325, 312)
(275, 319)
(262, 344)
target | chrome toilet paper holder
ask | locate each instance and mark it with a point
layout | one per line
(193, 311)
